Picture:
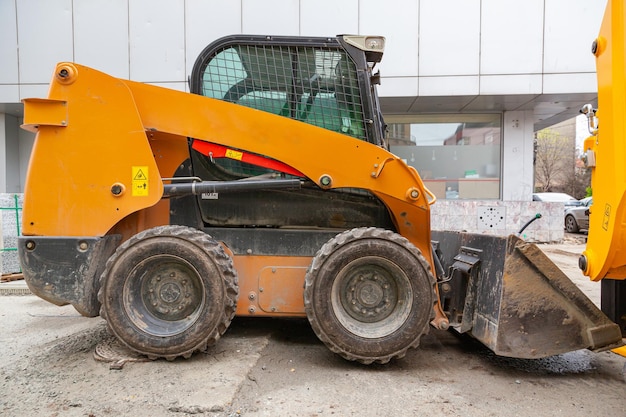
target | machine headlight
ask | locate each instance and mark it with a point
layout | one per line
(366, 43)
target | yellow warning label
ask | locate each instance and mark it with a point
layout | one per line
(234, 154)
(140, 181)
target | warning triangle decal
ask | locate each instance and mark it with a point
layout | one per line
(140, 176)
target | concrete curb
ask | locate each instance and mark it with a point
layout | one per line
(14, 288)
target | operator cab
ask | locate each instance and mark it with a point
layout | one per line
(325, 82)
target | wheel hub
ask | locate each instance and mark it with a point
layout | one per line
(370, 295)
(170, 294)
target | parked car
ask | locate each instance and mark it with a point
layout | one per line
(564, 198)
(577, 218)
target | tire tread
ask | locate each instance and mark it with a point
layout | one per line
(223, 262)
(318, 262)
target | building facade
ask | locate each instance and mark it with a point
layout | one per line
(465, 83)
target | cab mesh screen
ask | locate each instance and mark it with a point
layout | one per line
(314, 85)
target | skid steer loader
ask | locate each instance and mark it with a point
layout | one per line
(269, 191)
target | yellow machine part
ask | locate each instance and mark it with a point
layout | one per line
(606, 244)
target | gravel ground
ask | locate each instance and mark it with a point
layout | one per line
(269, 367)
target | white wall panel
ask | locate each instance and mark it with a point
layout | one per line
(329, 17)
(9, 93)
(101, 36)
(44, 30)
(8, 44)
(567, 83)
(510, 84)
(157, 40)
(449, 86)
(397, 20)
(36, 90)
(180, 86)
(398, 87)
(449, 38)
(570, 27)
(270, 17)
(206, 21)
(512, 37)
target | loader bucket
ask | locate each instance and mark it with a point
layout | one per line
(515, 300)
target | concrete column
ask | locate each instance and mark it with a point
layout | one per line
(517, 156)
(26, 140)
(11, 154)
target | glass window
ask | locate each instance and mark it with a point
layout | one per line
(457, 156)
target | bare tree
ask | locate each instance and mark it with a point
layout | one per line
(578, 184)
(554, 161)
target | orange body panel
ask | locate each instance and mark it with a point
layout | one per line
(75, 163)
(271, 285)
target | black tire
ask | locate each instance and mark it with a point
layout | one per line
(168, 292)
(570, 224)
(369, 295)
